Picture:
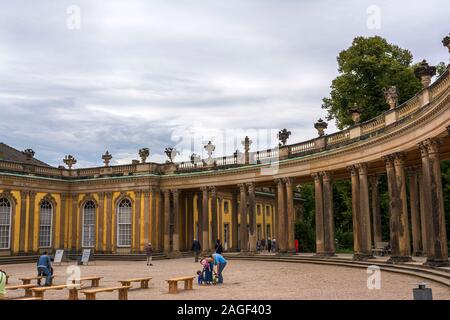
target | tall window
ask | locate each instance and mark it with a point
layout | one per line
(258, 210)
(45, 224)
(226, 207)
(267, 210)
(124, 216)
(5, 223)
(89, 224)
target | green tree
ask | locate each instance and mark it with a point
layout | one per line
(366, 68)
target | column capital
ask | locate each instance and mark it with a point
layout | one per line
(432, 145)
(241, 186)
(353, 170)
(176, 193)
(316, 175)
(100, 195)
(74, 196)
(326, 176)
(204, 189)
(138, 193)
(399, 158)
(147, 193)
(388, 160)
(362, 168)
(288, 181)
(279, 182)
(24, 193)
(108, 195)
(213, 190)
(423, 149)
(251, 187)
(166, 192)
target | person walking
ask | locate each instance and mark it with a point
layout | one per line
(44, 267)
(197, 248)
(263, 244)
(2, 284)
(269, 245)
(149, 253)
(218, 247)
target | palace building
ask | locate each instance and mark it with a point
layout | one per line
(246, 196)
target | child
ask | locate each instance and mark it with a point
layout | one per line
(201, 279)
(207, 271)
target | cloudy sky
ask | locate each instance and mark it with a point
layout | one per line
(154, 74)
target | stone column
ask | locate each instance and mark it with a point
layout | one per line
(154, 194)
(423, 218)
(63, 230)
(137, 222)
(264, 234)
(31, 221)
(356, 219)
(183, 222)
(364, 210)
(23, 222)
(199, 234)
(190, 220)
(176, 222)
(109, 225)
(243, 232)
(205, 221)
(161, 219)
(404, 237)
(281, 213)
(234, 220)
(393, 207)
(376, 212)
(147, 219)
(437, 252)
(214, 232)
(220, 213)
(328, 214)
(74, 222)
(252, 217)
(415, 212)
(166, 246)
(101, 216)
(318, 197)
(290, 215)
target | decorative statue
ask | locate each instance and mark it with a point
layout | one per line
(391, 96)
(29, 153)
(195, 158)
(283, 136)
(107, 158)
(321, 125)
(356, 113)
(144, 153)
(70, 161)
(171, 153)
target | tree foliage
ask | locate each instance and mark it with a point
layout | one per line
(365, 69)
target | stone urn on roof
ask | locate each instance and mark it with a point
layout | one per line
(320, 126)
(70, 161)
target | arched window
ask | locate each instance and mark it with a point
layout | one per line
(45, 224)
(89, 224)
(124, 216)
(5, 223)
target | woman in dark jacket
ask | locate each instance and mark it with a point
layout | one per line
(218, 247)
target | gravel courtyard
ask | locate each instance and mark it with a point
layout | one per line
(243, 280)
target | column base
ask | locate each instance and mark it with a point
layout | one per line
(362, 256)
(399, 259)
(174, 254)
(436, 263)
(418, 254)
(324, 254)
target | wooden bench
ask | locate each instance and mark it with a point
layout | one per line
(73, 290)
(26, 287)
(7, 279)
(123, 292)
(144, 282)
(379, 248)
(27, 280)
(95, 281)
(29, 299)
(173, 283)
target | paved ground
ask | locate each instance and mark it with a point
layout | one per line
(243, 280)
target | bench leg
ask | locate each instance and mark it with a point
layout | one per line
(123, 294)
(95, 283)
(90, 296)
(73, 294)
(28, 292)
(144, 284)
(26, 282)
(173, 287)
(39, 294)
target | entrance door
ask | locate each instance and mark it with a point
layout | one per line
(226, 236)
(269, 236)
